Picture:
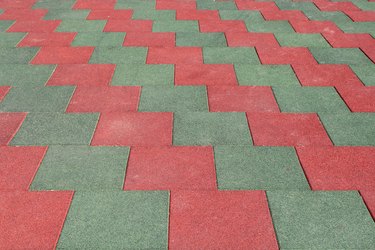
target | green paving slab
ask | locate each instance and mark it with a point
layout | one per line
(351, 56)
(266, 75)
(117, 220)
(81, 26)
(10, 39)
(364, 5)
(175, 26)
(269, 26)
(357, 27)
(321, 220)
(230, 55)
(301, 40)
(173, 99)
(204, 128)
(365, 73)
(119, 55)
(216, 5)
(56, 128)
(37, 99)
(309, 99)
(5, 24)
(53, 4)
(249, 15)
(154, 15)
(201, 39)
(143, 75)
(17, 55)
(136, 4)
(334, 16)
(303, 6)
(352, 129)
(99, 39)
(82, 168)
(24, 75)
(258, 168)
(63, 14)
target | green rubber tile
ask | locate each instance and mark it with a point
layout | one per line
(58, 14)
(117, 220)
(53, 4)
(175, 26)
(5, 24)
(173, 99)
(352, 129)
(82, 168)
(230, 55)
(143, 75)
(365, 73)
(121, 55)
(81, 26)
(301, 40)
(321, 220)
(258, 168)
(303, 6)
(136, 4)
(154, 15)
(17, 55)
(248, 15)
(269, 26)
(10, 39)
(99, 39)
(364, 5)
(37, 99)
(334, 16)
(205, 128)
(357, 27)
(32, 75)
(266, 75)
(309, 99)
(56, 129)
(216, 5)
(200, 39)
(351, 56)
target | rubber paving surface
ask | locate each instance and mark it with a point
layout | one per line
(187, 124)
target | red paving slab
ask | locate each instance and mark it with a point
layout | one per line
(285, 55)
(23, 14)
(247, 39)
(110, 14)
(95, 4)
(184, 14)
(63, 55)
(358, 99)
(9, 124)
(39, 26)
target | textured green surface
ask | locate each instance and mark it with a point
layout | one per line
(99, 39)
(229, 55)
(175, 26)
(10, 39)
(350, 129)
(53, 4)
(334, 16)
(321, 220)
(269, 26)
(39, 99)
(32, 75)
(309, 99)
(351, 56)
(143, 75)
(173, 99)
(56, 128)
(241, 15)
(116, 220)
(135, 4)
(301, 40)
(5, 24)
(216, 5)
(81, 26)
(154, 15)
(357, 27)
(203, 128)
(252, 168)
(58, 14)
(200, 39)
(266, 75)
(122, 55)
(365, 73)
(82, 168)
(17, 55)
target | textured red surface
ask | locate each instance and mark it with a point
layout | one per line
(286, 55)
(23, 14)
(63, 55)
(246, 39)
(197, 14)
(358, 99)
(9, 124)
(110, 14)
(211, 25)
(39, 26)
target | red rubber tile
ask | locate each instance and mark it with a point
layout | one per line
(40, 26)
(358, 99)
(128, 26)
(176, 55)
(210, 25)
(252, 5)
(314, 26)
(32, 220)
(197, 14)
(286, 55)
(18, 166)
(63, 55)
(325, 5)
(16, 4)
(3, 91)
(105, 99)
(134, 129)
(220, 220)
(110, 14)
(205, 74)
(171, 168)
(361, 16)
(23, 14)
(339, 168)
(370, 52)
(82, 75)
(95, 4)
(369, 198)
(343, 40)
(176, 5)
(150, 39)
(286, 15)
(57, 39)
(247, 39)
(326, 75)
(9, 125)
(287, 129)
(241, 98)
